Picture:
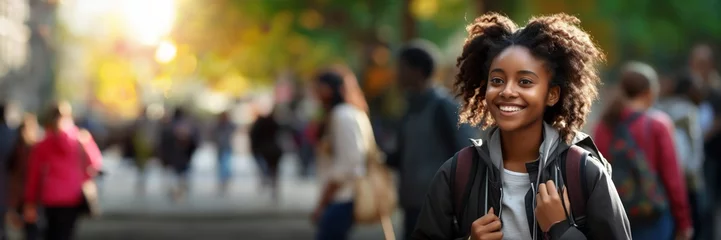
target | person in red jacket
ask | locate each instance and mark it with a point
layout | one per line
(57, 171)
(652, 131)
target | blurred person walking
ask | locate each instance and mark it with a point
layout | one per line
(266, 149)
(639, 143)
(342, 151)
(431, 119)
(179, 141)
(7, 137)
(17, 167)
(223, 134)
(304, 129)
(143, 140)
(703, 73)
(682, 106)
(59, 166)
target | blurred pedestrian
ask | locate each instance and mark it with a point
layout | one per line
(59, 165)
(703, 73)
(143, 137)
(682, 106)
(8, 134)
(266, 149)
(223, 134)
(430, 119)
(629, 124)
(17, 166)
(182, 140)
(343, 152)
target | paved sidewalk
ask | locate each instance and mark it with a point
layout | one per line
(119, 198)
(245, 213)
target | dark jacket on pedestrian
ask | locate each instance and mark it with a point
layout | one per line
(432, 120)
(264, 138)
(605, 217)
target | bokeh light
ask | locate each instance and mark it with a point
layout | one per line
(148, 21)
(165, 52)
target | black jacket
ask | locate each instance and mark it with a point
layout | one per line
(605, 216)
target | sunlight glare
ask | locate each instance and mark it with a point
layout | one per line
(166, 52)
(149, 21)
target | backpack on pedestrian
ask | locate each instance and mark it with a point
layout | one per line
(640, 190)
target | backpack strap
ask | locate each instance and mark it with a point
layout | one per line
(462, 177)
(576, 180)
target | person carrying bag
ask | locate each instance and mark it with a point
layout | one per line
(375, 196)
(60, 176)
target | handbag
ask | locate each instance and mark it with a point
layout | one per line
(90, 204)
(375, 195)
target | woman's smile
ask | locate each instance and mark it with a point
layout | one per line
(508, 110)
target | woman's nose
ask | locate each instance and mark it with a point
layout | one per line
(509, 91)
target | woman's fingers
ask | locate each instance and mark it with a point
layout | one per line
(552, 191)
(493, 226)
(488, 218)
(542, 192)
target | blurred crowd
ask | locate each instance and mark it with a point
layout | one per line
(48, 165)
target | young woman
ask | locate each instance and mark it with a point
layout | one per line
(653, 133)
(531, 88)
(345, 157)
(56, 173)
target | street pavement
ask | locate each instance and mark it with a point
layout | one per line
(246, 212)
(245, 196)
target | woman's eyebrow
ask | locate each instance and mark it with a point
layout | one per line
(527, 72)
(497, 70)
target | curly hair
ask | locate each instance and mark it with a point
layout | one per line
(571, 58)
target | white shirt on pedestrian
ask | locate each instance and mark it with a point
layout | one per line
(349, 146)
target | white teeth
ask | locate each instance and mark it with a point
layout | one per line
(510, 108)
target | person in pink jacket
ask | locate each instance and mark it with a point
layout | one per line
(59, 164)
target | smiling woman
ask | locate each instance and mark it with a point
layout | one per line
(516, 89)
(532, 87)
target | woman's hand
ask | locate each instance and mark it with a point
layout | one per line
(487, 227)
(549, 209)
(30, 213)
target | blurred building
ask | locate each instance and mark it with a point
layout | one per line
(14, 35)
(26, 55)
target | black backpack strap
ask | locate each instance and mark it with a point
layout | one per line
(575, 169)
(462, 177)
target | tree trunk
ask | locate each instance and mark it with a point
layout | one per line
(409, 22)
(485, 6)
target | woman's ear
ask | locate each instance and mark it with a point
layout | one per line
(554, 94)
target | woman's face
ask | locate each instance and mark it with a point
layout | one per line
(519, 89)
(30, 129)
(324, 93)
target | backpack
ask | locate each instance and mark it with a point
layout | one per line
(642, 195)
(573, 165)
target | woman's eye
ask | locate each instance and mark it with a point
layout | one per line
(496, 81)
(526, 82)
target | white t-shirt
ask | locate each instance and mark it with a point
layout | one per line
(348, 125)
(514, 218)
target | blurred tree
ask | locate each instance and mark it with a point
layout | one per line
(659, 31)
(258, 38)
